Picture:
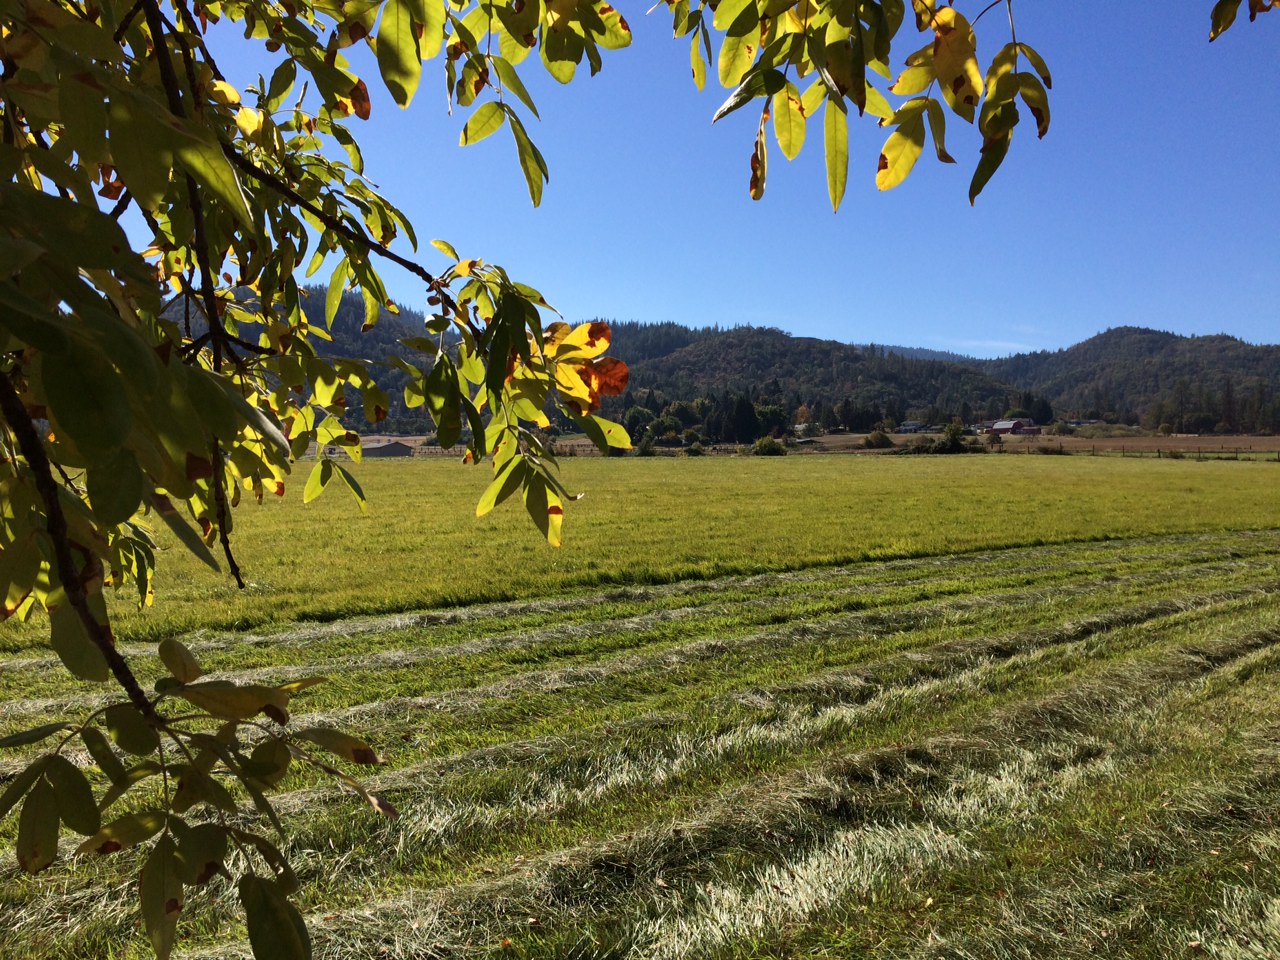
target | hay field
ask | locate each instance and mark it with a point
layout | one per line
(811, 707)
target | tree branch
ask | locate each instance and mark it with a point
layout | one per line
(15, 414)
(330, 221)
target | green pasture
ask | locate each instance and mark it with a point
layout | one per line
(659, 520)
(971, 707)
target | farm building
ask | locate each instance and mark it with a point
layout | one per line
(1016, 427)
(388, 448)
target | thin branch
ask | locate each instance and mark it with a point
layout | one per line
(15, 414)
(127, 22)
(220, 499)
(121, 206)
(330, 221)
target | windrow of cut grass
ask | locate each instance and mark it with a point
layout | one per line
(1063, 749)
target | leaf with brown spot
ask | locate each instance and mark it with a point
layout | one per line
(359, 97)
(230, 701)
(341, 744)
(160, 890)
(37, 844)
(128, 831)
(903, 148)
(759, 166)
(1037, 100)
(956, 62)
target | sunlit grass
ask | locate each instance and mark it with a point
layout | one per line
(656, 521)
(830, 707)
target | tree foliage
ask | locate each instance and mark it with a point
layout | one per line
(159, 360)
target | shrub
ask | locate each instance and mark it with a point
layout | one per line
(768, 447)
(877, 440)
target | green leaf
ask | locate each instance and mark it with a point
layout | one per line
(116, 487)
(276, 929)
(877, 105)
(102, 754)
(697, 64)
(353, 485)
(34, 735)
(128, 831)
(320, 476)
(835, 130)
(1042, 68)
(431, 15)
(71, 642)
(281, 83)
(341, 744)
(508, 479)
(130, 730)
(196, 786)
(531, 161)
(37, 845)
(737, 54)
(511, 81)
(1037, 101)
(200, 152)
(788, 121)
(729, 11)
(486, 121)
(126, 781)
(19, 785)
(333, 296)
(179, 661)
(202, 850)
(446, 248)
(938, 129)
(29, 320)
(84, 115)
(230, 701)
(399, 59)
(87, 400)
(993, 154)
(76, 805)
(764, 83)
(160, 890)
(183, 531)
(142, 160)
(604, 433)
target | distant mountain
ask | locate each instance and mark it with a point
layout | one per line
(770, 365)
(1192, 383)
(1131, 374)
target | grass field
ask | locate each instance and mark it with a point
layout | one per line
(811, 707)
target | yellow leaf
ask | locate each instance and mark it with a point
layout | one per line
(230, 701)
(901, 151)
(955, 59)
(249, 121)
(224, 93)
(582, 342)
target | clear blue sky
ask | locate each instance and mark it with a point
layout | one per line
(1152, 201)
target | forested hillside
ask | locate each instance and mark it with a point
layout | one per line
(1192, 384)
(716, 384)
(772, 367)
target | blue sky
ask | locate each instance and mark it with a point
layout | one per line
(1152, 200)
